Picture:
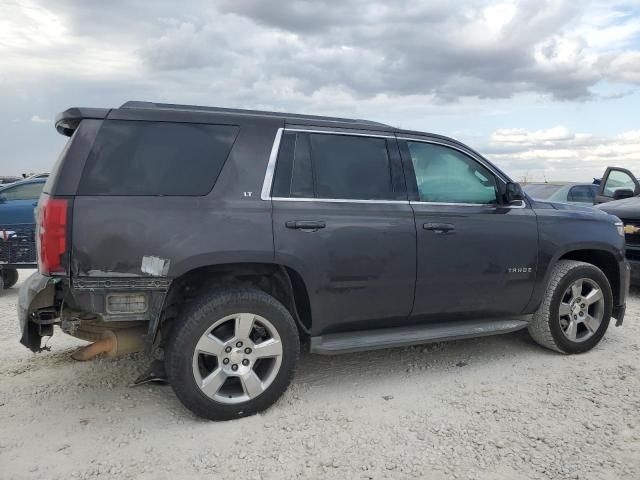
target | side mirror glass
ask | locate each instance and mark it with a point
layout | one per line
(622, 193)
(514, 192)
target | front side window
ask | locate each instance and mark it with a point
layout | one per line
(445, 175)
(29, 191)
(332, 166)
(618, 180)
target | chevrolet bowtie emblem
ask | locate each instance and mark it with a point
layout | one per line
(631, 229)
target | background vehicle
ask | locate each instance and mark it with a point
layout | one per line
(618, 195)
(227, 236)
(17, 228)
(574, 193)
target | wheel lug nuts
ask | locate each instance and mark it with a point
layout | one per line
(225, 361)
(581, 313)
(575, 317)
(234, 367)
(582, 306)
(247, 350)
(239, 344)
(228, 349)
(245, 362)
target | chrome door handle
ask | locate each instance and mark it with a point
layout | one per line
(439, 227)
(305, 225)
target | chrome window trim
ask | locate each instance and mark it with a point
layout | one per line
(468, 154)
(456, 204)
(333, 132)
(337, 200)
(273, 157)
(453, 204)
(271, 167)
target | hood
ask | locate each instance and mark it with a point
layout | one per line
(545, 205)
(628, 208)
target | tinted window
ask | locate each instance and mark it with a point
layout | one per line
(445, 175)
(28, 191)
(338, 167)
(582, 193)
(294, 173)
(351, 167)
(156, 158)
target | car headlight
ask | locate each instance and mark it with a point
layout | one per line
(620, 226)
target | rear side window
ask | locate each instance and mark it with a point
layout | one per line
(27, 191)
(156, 158)
(330, 166)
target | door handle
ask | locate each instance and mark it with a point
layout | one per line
(305, 225)
(439, 227)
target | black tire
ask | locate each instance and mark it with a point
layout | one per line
(9, 277)
(197, 318)
(545, 328)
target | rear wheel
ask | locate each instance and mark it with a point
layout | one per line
(232, 354)
(9, 277)
(576, 311)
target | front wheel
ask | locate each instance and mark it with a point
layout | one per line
(232, 353)
(576, 310)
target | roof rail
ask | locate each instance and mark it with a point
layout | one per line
(197, 108)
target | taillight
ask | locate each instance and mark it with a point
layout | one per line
(52, 234)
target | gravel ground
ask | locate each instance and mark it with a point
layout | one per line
(492, 408)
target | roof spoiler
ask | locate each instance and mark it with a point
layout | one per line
(67, 121)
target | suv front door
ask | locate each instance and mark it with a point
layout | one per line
(616, 184)
(341, 219)
(476, 257)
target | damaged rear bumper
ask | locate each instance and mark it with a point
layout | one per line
(107, 303)
(37, 292)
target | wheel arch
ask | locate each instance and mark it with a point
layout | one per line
(602, 256)
(280, 281)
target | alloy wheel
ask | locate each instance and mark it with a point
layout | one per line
(581, 310)
(237, 358)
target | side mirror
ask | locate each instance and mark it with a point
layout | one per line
(513, 192)
(623, 193)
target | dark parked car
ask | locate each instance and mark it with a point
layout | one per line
(574, 193)
(17, 228)
(229, 238)
(618, 195)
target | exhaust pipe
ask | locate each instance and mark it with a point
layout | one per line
(112, 342)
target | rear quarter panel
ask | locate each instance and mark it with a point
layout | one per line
(112, 234)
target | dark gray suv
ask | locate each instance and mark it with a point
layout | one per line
(229, 238)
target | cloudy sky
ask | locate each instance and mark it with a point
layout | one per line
(545, 88)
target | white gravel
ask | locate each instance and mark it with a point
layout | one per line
(492, 408)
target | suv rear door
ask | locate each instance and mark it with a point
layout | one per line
(476, 257)
(342, 220)
(617, 183)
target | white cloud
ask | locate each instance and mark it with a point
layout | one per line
(39, 119)
(559, 154)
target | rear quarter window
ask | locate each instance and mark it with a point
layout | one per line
(156, 158)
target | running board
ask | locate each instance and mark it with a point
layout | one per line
(348, 342)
